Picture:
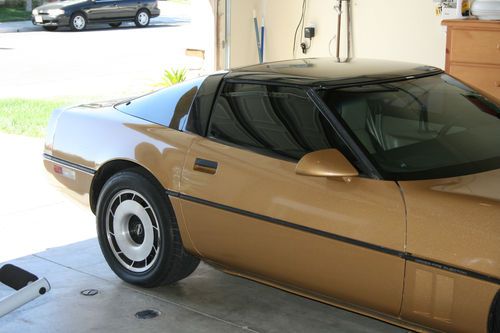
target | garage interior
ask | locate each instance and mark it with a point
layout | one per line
(85, 294)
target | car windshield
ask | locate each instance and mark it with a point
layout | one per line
(431, 127)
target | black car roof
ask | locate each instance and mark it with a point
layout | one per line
(327, 72)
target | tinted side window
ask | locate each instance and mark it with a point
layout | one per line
(270, 120)
(167, 107)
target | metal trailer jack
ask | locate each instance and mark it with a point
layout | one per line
(27, 285)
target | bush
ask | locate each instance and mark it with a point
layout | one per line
(20, 3)
(173, 76)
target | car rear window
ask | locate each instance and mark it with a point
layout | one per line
(168, 107)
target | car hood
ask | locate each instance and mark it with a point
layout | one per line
(456, 221)
(484, 185)
(60, 4)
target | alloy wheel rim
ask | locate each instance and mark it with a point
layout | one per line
(79, 22)
(143, 18)
(132, 231)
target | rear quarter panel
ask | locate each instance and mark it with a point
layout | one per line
(90, 138)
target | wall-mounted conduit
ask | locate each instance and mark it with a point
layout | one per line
(340, 7)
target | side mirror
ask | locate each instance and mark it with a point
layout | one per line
(325, 163)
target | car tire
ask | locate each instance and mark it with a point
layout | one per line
(50, 27)
(78, 22)
(142, 18)
(138, 232)
(115, 24)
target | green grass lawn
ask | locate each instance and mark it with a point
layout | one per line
(25, 116)
(13, 14)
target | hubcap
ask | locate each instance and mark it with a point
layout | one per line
(132, 231)
(79, 22)
(143, 18)
(136, 230)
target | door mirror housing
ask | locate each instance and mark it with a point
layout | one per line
(325, 163)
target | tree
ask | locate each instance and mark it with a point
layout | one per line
(29, 5)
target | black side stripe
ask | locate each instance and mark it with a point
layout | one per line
(69, 164)
(347, 240)
(451, 269)
(292, 225)
(289, 225)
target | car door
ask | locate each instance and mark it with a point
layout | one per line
(126, 8)
(102, 10)
(246, 209)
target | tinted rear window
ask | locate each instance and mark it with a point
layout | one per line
(168, 107)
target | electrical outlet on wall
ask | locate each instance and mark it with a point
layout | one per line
(309, 32)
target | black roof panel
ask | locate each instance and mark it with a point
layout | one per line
(327, 72)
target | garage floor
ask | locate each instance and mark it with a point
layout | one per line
(34, 218)
(207, 301)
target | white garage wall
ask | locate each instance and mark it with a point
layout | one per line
(243, 40)
(405, 30)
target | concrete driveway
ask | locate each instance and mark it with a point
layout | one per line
(33, 216)
(208, 301)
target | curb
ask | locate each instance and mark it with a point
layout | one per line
(18, 26)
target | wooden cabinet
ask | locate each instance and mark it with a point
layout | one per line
(473, 54)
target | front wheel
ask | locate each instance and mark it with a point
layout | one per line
(138, 232)
(78, 22)
(50, 27)
(142, 18)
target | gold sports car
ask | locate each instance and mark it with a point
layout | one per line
(373, 186)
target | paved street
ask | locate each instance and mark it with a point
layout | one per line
(100, 62)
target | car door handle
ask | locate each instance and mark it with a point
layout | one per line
(206, 166)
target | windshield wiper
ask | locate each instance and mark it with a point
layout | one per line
(483, 104)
